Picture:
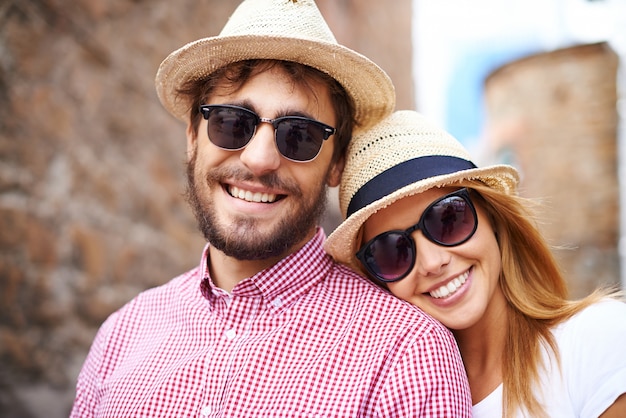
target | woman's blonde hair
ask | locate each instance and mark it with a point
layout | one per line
(536, 294)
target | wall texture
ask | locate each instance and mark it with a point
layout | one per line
(91, 169)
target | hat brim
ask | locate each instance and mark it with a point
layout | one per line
(344, 240)
(369, 86)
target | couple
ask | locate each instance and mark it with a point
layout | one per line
(269, 325)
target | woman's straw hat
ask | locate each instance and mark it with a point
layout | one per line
(403, 155)
(290, 30)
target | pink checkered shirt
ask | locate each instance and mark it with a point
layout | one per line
(304, 338)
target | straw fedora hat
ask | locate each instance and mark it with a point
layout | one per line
(401, 156)
(289, 30)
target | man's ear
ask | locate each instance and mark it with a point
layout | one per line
(191, 141)
(334, 176)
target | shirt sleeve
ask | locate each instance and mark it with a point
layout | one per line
(593, 355)
(89, 378)
(428, 381)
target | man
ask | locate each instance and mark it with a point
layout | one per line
(268, 325)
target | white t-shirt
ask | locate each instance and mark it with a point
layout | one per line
(592, 376)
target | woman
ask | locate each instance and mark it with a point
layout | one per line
(453, 239)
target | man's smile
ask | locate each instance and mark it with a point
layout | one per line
(250, 196)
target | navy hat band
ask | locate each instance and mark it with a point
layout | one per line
(403, 174)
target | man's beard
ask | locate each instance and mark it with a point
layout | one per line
(241, 239)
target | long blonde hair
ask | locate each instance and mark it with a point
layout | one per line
(536, 294)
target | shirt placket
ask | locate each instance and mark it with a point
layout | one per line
(226, 362)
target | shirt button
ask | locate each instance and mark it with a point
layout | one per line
(278, 302)
(230, 334)
(206, 411)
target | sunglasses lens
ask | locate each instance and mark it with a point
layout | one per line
(390, 256)
(450, 221)
(299, 139)
(230, 128)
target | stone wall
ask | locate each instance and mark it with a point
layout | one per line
(91, 169)
(554, 115)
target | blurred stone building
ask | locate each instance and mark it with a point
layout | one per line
(554, 116)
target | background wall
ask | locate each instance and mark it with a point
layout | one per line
(91, 169)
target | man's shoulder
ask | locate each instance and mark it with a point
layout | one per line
(375, 301)
(185, 286)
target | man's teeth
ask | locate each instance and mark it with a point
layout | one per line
(252, 197)
(451, 287)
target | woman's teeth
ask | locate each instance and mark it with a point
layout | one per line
(451, 287)
(248, 196)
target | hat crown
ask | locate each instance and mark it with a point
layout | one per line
(403, 136)
(284, 30)
(276, 18)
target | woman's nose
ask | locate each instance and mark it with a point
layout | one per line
(430, 258)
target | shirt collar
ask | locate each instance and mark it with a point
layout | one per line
(284, 282)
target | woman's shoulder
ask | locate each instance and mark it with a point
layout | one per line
(607, 311)
(592, 336)
(590, 372)
(593, 367)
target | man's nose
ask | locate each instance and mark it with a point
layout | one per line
(261, 155)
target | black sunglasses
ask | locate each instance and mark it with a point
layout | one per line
(450, 220)
(297, 138)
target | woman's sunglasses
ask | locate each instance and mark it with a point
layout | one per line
(448, 221)
(297, 138)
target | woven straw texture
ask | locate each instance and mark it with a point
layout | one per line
(282, 30)
(403, 136)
